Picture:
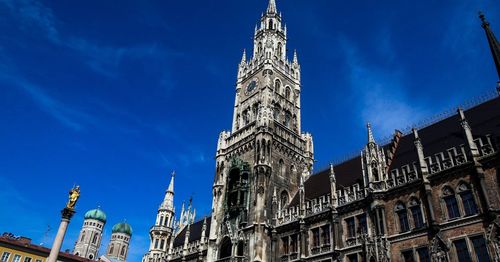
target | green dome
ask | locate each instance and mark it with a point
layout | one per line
(96, 214)
(122, 228)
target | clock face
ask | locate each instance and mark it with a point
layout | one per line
(251, 86)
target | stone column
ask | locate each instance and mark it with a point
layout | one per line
(67, 213)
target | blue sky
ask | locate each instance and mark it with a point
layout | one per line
(114, 96)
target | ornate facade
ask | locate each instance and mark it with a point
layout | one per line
(431, 194)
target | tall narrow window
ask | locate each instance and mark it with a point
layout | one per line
(83, 236)
(162, 243)
(451, 203)
(281, 165)
(285, 248)
(161, 220)
(277, 86)
(375, 172)
(122, 253)
(480, 249)
(463, 254)
(280, 48)
(416, 213)
(363, 227)
(402, 217)
(284, 199)
(325, 234)
(288, 92)
(315, 237)
(156, 243)
(293, 244)
(470, 207)
(351, 227)
(452, 207)
(423, 254)
(111, 249)
(94, 240)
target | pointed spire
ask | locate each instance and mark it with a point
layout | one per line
(271, 7)
(295, 59)
(370, 133)
(244, 56)
(171, 185)
(332, 173)
(492, 41)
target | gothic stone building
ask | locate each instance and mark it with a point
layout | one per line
(431, 194)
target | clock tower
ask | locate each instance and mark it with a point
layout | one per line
(262, 160)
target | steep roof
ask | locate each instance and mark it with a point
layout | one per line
(483, 118)
(194, 232)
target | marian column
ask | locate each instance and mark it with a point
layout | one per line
(66, 213)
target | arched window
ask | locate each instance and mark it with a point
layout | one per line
(276, 112)
(468, 202)
(111, 249)
(288, 91)
(83, 236)
(402, 217)
(281, 165)
(161, 220)
(287, 119)
(270, 24)
(375, 172)
(94, 240)
(284, 199)
(122, 253)
(451, 203)
(416, 212)
(280, 50)
(240, 249)
(277, 85)
(225, 248)
(259, 47)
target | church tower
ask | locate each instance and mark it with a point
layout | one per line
(89, 240)
(264, 152)
(162, 232)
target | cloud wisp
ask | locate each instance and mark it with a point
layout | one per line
(65, 114)
(105, 60)
(384, 101)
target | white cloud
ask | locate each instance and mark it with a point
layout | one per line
(383, 98)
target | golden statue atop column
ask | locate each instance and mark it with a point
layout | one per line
(74, 194)
(66, 214)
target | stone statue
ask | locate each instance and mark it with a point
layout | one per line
(74, 194)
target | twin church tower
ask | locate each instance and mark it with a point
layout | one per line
(259, 164)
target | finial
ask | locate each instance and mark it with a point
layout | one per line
(483, 18)
(332, 172)
(271, 7)
(415, 132)
(295, 59)
(244, 56)
(461, 113)
(173, 173)
(370, 133)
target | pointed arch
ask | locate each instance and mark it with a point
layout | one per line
(225, 248)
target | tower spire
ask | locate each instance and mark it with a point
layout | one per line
(244, 56)
(171, 185)
(492, 41)
(370, 133)
(271, 7)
